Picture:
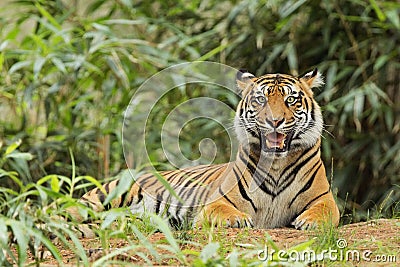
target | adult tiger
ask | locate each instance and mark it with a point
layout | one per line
(277, 179)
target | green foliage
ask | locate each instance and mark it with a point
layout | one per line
(69, 68)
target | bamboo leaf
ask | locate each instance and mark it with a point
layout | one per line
(381, 16)
(55, 184)
(11, 148)
(393, 16)
(22, 237)
(162, 225)
(126, 180)
(20, 155)
(381, 61)
(38, 65)
(19, 65)
(3, 232)
(209, 251)
(47, 15)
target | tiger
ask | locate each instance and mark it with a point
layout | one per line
(278, 178)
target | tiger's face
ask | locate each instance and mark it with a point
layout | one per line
(278, 113)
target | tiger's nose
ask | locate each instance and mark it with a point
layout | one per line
(275, 122)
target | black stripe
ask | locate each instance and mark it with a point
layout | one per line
(100, 195)
(249, 166)
(190, 179)
(306, 105)
(290, 177)
(294, 162)
(189, 214)
(158, 204)
(188, 182)
(171, 177)
(123, 197)
(252, 164)
(259, 183)
(312, 111)
(244, 194)
(143, 179)
(264, 173)
(199, 198)
(107, 187)
(227, 199)
(304, 162)
(307, 185)
(174, 222)
(239, 175)
(264, 188)
(311, 201)
(140, 196)
(252, 132)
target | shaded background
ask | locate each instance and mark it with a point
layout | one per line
(69, 68)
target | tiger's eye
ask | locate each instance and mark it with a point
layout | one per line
(261, 99)
(290, 100)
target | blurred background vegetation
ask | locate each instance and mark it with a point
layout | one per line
(69, 68)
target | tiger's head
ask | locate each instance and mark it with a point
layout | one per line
(277, 112)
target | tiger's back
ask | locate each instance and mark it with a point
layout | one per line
(278, 177)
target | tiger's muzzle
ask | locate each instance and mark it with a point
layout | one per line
(275, 142)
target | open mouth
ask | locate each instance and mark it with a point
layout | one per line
(275, 142)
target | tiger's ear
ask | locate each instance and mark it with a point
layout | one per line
(244, 81)
(313, 78)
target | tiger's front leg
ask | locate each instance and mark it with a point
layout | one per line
(323, 210)
(222, 213)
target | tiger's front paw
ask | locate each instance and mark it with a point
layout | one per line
(305, 222)
(237, 220)
(224, 215)
(319, 214)
(310, 219)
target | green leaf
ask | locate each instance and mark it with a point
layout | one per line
(393, 16)
(38, 65)
(381, 16)
(389, 118)
(145, 242)
(126, 180)
(20, 155)
(13, 147)
(381, 61)
(110, 217)
(59, 64)
(49, 245)
(91, 180)
(55, 183)
(167, 185)
(3, 232)
(234, 259)
(289, 7)
(48, 16)
(162, 225)
(209, 251)
(21, 235)
(19, 65)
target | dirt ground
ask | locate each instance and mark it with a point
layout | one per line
(380, 237)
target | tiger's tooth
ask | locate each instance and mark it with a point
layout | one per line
(268, 143)
(282, 144)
